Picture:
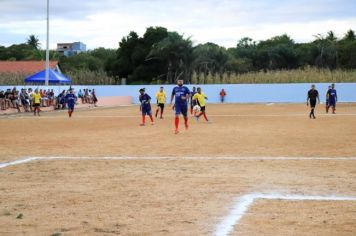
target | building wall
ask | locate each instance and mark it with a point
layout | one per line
(236, 93)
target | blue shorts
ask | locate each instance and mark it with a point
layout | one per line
(71, 107)
(181, 109)
(146, 111)
(332, 103)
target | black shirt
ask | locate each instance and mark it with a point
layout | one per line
(313, 94)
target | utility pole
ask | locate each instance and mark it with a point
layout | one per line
(47, 47)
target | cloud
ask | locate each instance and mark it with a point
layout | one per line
(104, 23)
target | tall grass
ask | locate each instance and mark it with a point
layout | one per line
(307, 75)
(78, 78)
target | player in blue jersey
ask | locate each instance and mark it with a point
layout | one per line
(332, 98)
(181, 94)
(70, 99)
(145, 106)
(192, 102)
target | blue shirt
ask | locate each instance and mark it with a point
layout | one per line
(180, 92)
(144, 99)
(70, 98)
(332, 94)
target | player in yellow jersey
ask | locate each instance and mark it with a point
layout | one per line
(200, 98)
(36, 98)
(161, 100)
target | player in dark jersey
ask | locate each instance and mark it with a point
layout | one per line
(181, 94)
(192, 102)
(332, 98)
(327, 100)
(145, 106)
(70, 99)
(313, 95)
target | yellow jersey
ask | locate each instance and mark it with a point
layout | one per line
(200, 97)
(36, 97)
(161, 97)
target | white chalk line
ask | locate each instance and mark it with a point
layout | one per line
(170, 116)
(243, 203)
(193, 158)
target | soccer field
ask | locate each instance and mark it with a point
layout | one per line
(254, 170)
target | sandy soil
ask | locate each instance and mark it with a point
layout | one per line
(177, 197)
(183, 197)
(236, 130)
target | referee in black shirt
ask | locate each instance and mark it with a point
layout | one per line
(313, 94)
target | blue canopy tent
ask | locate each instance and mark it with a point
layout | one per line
(53, 78)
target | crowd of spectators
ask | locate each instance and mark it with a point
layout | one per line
(13, 98)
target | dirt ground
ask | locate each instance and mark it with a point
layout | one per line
(236, 130)
(177, 196)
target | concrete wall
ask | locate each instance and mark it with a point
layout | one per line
(236, 93)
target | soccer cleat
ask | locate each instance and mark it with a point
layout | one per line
(176, 131)
(142, 124)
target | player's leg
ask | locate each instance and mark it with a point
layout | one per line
(204, 113)
(184, 110)
(157, 110)
(162, 109)
(150, 115)
(143, 117)
(177, 109)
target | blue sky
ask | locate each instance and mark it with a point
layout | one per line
(103, 23)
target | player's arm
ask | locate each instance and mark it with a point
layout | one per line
(308, 99)
(172, 96)
(318, 98)
(335, 96)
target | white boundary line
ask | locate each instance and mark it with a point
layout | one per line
(212, 115)
(197, 158)
(243, 203)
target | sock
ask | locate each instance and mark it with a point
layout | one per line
(151, 118)
(176, 122)
(69, 113)
(312, 112)
(161, 113)
(143, 119)
(201, 113)
(191, 110)
(206, 118)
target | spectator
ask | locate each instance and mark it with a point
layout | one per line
(30, 94)
(222, 95)
(81, 96)
(8, 98)
(24, 100)
(15, 100)
(2, 100)
(95, 99)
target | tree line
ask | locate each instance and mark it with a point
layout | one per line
(162, 56)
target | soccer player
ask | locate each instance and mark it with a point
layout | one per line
(192, 102)
(313, 95)
(145, 106)
(36, 98)
(332, 98)
(181, 94)
(200, 98)
(161, 100)
(327, 100)
(70, 99)
(222, 95)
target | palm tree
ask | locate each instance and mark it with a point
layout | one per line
(33, 41)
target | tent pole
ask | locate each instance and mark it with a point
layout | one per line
(47, 46)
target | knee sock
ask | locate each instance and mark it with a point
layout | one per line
(143, 119)
(176, 122)
(206, 118)
(151, 118)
